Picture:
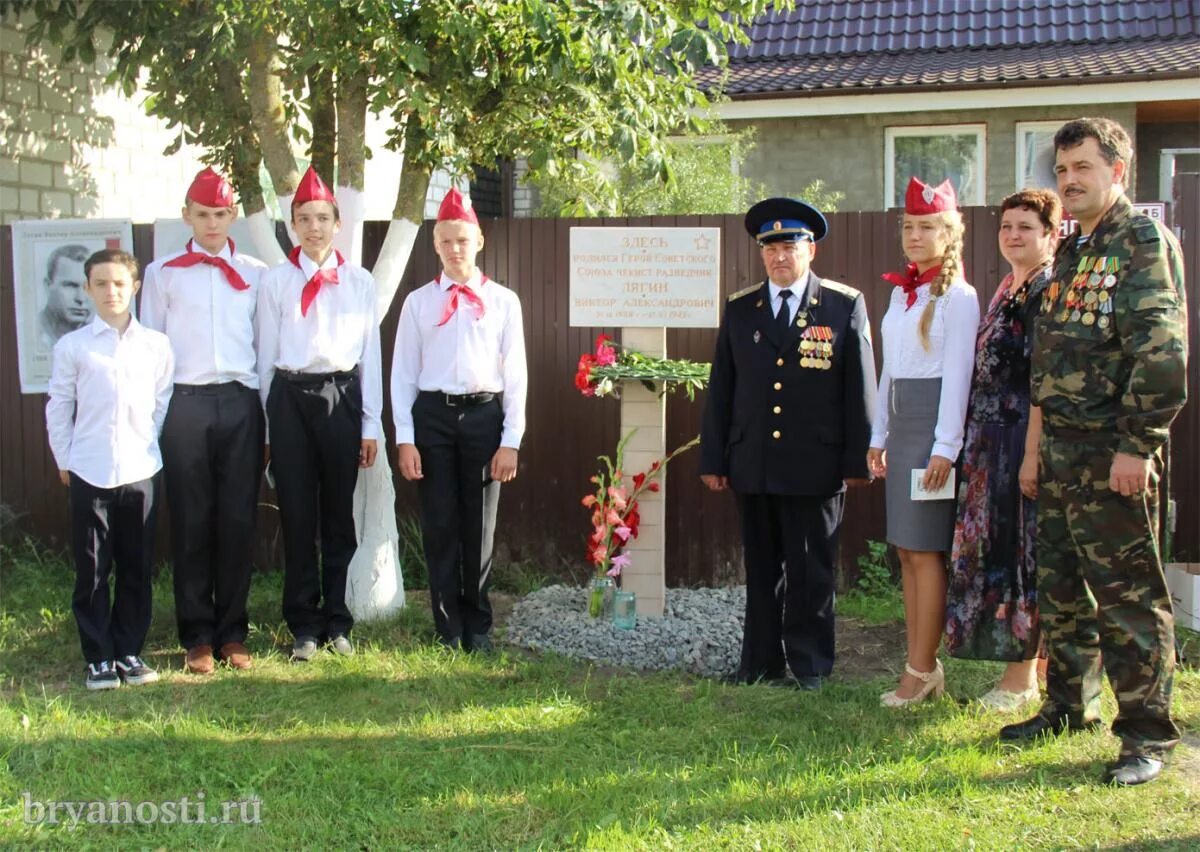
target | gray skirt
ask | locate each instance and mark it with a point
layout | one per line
(912, 416)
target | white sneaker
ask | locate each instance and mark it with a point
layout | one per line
(1006, 702)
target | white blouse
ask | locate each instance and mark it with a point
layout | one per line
(951, 357)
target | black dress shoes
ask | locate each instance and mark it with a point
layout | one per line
(1133, 770)
(479, 643)
(1041, 725)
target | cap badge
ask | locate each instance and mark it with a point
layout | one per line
(927, 194)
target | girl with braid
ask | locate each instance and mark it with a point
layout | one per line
(928, 354)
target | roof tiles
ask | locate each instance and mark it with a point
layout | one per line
(826, 45)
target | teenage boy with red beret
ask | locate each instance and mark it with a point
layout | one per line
(320, 382)
(458, 399)
(204, 299)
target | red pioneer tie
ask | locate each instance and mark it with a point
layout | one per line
(469, 295)
(911, 280)
(192, 257)
(322, 276)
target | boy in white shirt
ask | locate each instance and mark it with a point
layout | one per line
(320, 382)
(109, 391)
(204, 299)
(458, 398)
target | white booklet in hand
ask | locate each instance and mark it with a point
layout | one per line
(918, 492)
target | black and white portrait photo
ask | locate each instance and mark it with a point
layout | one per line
(50, 286)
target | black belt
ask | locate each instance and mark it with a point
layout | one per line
(210, 390)
(460, 400)
(298, 378)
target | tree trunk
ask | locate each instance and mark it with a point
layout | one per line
(351, 156)
(352, 129)
(322, 116)
(266, 109)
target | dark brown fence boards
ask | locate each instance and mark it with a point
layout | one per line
(1185, 433)
(540, 515)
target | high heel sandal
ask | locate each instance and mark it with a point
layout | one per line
(934, 685)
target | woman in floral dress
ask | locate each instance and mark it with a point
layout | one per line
(991, 598)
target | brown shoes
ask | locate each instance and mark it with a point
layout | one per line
(200, 660)
(236, 655)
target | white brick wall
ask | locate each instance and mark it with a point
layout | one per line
(73, 148)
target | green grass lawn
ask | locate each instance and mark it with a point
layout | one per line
(406, 746)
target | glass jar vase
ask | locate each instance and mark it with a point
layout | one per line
(600, 597)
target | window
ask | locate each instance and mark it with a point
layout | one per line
(954, 151)
(1035, 154)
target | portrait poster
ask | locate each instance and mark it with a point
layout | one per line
(48, 285)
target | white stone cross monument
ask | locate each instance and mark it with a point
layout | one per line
(646, 280)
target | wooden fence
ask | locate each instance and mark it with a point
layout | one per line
(540, 516)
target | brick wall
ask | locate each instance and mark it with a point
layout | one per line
(73, 147)
(847, 152)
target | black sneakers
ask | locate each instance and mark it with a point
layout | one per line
(102, 675)
(134, 671)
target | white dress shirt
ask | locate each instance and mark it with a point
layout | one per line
(466, 355)
(340, 331)
(210, 324)
(798, 288)
(108, 398)
(951, 357)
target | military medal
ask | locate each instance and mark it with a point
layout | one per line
(1089, 318)
(1102, 322)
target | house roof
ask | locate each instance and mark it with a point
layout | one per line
(836, 46)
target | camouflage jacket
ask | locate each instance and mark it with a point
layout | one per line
(1110, 350)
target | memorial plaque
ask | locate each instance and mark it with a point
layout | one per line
(646, 277)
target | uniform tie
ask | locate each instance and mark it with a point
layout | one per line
(191, 257)
(911, 280)
(313, 286)
(469, 295)
(783, 319)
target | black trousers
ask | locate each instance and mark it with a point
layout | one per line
(112, 527)
(212, 444)
(316, 435)
(458, 500)
(790, 545)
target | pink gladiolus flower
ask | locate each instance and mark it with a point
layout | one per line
(622, 532)
(613, 518)
(620, 561)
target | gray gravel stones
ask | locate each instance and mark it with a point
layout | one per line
(700, 630)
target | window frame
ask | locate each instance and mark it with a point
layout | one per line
(978, 129)
(1019, 164)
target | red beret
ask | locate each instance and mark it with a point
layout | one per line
(456, 207)
(921, 199)
(211, 190)
(312, 188)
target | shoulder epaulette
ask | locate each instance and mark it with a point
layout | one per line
(1145, 229)
(838, 287)
(745, 291)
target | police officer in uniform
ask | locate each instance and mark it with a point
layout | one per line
(1109, 372)
(786, 426)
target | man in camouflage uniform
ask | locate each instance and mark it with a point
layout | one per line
(1109, 364)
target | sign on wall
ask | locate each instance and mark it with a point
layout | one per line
(48, 285)
(646, 277)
